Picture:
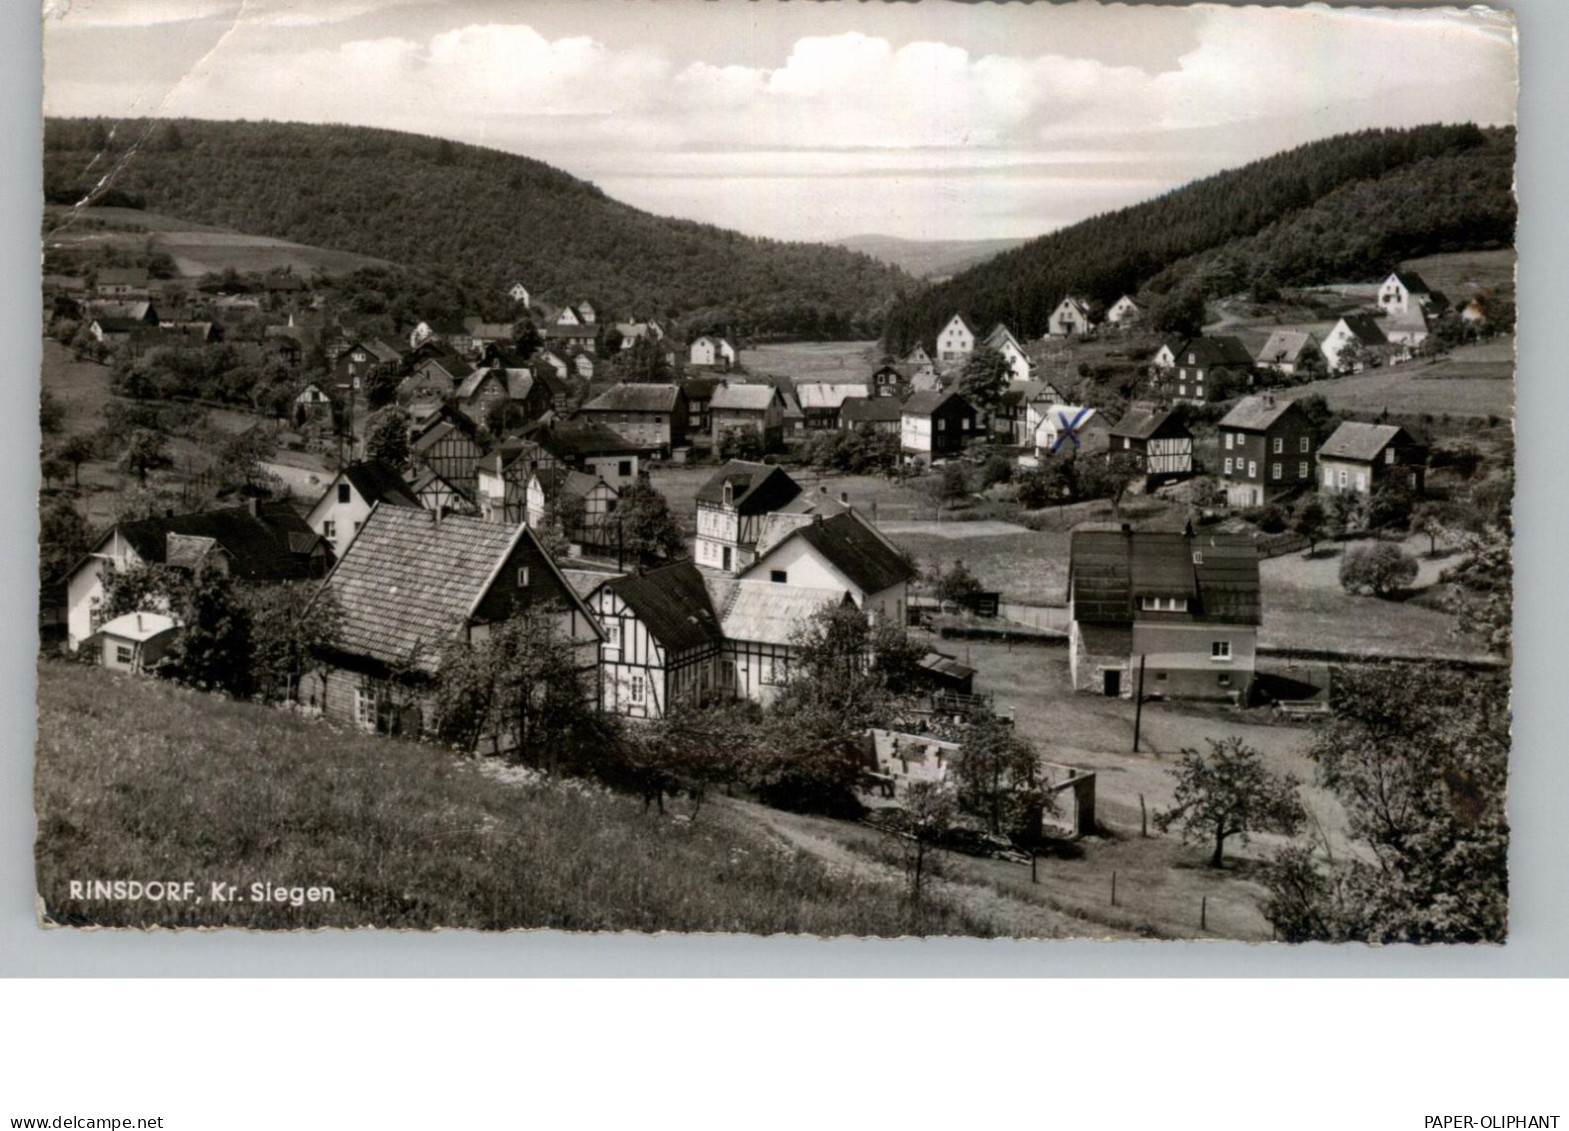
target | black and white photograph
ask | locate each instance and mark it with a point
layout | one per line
(1007, 471)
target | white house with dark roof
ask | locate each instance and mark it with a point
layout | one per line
(1355, 342)
(1071, 316)
(731, 508)
(1124, 312)
(1002, 340)
(415, 581)
(759, 622)
(663, 642)
(338, 514)
(713, 351)
(956, 341)
(843, 553)
(1186, 608)
(1402, 291)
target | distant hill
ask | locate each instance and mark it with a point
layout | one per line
(927, 259)
(1347, 207)
(437, 205)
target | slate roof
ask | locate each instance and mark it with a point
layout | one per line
(636, 398)
(964, 321)
(756, 488)
(586, 438)
(1222, 350)
(765, 613)
(1109, 570)
(855, 550)
(751, 398)
(699, 388)
(926, 403)
(1361, 442)
(1142, 421)
(379, 482)
(1366, 329)
(259, 544)
(410, 581)
(1413, 282)
(1285, 346)
(674, 604)
(871, 410)
(1255, 414)
(821, 395)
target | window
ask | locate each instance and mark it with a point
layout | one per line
(613, 634)
(659, 420)
(1225, 679)
(1228, 441)
(1126, 443)
(1164, 604)
(779, 577)
(1228, 465)
(624, 468)
(964, 424)
(1274, 471)
(639, 689)
(1220, 650)
(776, 670)
(1252, 470)
(124, 654)
(1193, 359)
(522, 577)
(1361, 481)
(1329, 478)
(1280, 445)
(942, 425)
(329, 529)
(1302, 470)
(365, 709)
(1389, 455)
(1304, 445)
(1198, 557)
(343, 492)
(1343, 477)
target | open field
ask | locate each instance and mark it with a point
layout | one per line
(197, 249)
(138, 779)
(1460, 274)
(813, 361)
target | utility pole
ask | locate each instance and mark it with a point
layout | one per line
(1138, 705)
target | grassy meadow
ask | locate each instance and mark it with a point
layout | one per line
(141, 780)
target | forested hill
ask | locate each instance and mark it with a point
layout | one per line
(1347, 207)
(491, 216)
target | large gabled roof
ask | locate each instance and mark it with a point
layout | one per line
(411, 581)
(1366, 329)
(1109, 570)
(854, 548)
(871, 410)
(926, 403)
(636, 398)
(754, 398)
(1412, 282)
(273, 544)
(1363, 442)
(1256, 414)
(673, 603)
(824, 395)
(755, 488)
(763, 612)
(1143, 422)
(1224, 349)
(379, 482)
(1286, 346)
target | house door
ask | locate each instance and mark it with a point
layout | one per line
(726, 555)
(1113, 682)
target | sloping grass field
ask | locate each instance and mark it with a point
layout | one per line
(140, 780)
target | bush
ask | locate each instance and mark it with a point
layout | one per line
(997, 469)
(1270, 519)
(1382, 569)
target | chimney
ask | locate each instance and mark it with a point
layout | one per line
(729, 493)
(138, 622)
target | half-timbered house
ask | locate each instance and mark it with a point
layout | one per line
(1160, 441)
(662, 641)
(731, 508)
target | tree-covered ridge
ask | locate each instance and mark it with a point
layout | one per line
(1354, 204)
(481, 213)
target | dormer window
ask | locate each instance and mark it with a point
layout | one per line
(1164, 604)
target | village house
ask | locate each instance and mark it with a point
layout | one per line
(841, 552)
(578, 505)
(519, 294)
(415, 581)
(1072, 316)
(1290, 352)
(597, 450)
(484, 390)
(731, 508)
(1406, 332)
(338, 514)
(363, 359)
(582, 337)
(312, 406)
(135, 642)
(1474, 313)
(1210, 369)
(957, 340)
(557, 365)
(1038, 398)
(1124, 312)
(1266, 450)
(712, 351)
(446, 444)
(121, 283)
(935, 425)
(439, 494)
(1179, 611)
(483, 335)
(699, 392)
(430, 382)
(918, 355)
(926, 380)
(759, 623)
(1402, 291)
(821, 402)
(759, 408)
(501, 484)
(1008, 415)
(1161, 442)
(1356, 342)
(794, 418)
(1071, 430)
(111, 331)
(1358, 458)
(662, 642)
(877, 414)
(888, 379)
(1002, 340)
(258, 542)
(652, 417)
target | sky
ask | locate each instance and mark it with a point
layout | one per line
(806, 120)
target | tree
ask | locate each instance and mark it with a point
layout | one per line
(292, 627)
(1311, 521)
(240, 458)
(985, 377)
(1418, 758)
(648, 531)
(958, 586)
(145, 451)
(1050, 484)
(52, 467)
(929, 810)
(381, 388)
(997, 469)
(896, 658)
(387, 436)
(998, 778)
(1351, 358)
(1179, 315)
(63, 537)
(1230, 792)
(213, 649)
(741, 443)
(1105, 477)
(1382, 569)
(76, 451)
(1390, 505)
(1482, 586)
(51, 413)
(954, 484)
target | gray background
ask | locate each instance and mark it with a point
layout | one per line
(1537, 788)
